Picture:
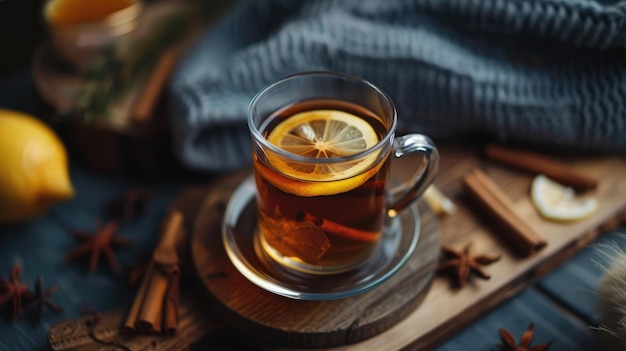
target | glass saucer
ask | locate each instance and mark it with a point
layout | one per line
(400, 238)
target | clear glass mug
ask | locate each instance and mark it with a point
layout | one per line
(322, 144)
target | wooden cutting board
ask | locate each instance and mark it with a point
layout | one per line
(444, 309)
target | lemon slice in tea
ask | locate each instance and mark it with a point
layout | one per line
(323, 134)
(559, 203)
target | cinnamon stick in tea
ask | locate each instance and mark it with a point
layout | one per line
(535, 163)
(338, 229)
(523, 238)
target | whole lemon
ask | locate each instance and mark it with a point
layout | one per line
(33, 167)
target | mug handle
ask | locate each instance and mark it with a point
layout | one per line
(426, 172)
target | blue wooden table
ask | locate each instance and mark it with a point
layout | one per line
(563, 305)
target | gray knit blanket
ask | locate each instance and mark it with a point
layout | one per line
(550, 73)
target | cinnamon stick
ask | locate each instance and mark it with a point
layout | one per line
(340, 230)
(131, 318)
(538, 164)
(155, 308)
(150, 316)
(154, 86)
(170, 310)
(523, 238)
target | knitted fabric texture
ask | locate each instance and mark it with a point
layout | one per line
(540, 72)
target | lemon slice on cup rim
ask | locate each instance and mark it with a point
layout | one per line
(322, 152)
(557, 202)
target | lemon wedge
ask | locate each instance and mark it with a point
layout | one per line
(322, 134)
(557, 202)
(438, 202)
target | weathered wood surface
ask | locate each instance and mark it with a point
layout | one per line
(93, 331)
(446, 310)
(78, 334)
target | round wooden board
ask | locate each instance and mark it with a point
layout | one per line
(296, 323)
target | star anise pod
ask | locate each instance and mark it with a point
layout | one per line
(510, 344)
(463, 263)
(15, 290)
(101, 242)
(129, 205)
(41, 299)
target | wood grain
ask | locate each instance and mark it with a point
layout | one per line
(445, 310)
(282, 321)
(74, 334)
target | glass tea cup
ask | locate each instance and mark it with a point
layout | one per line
(323, 144)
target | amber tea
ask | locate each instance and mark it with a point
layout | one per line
(322, 216)
(322, 147)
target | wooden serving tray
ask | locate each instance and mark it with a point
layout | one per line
(446, 310)
(443, 310)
